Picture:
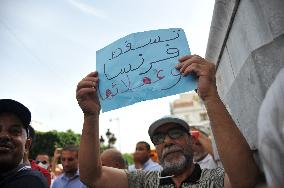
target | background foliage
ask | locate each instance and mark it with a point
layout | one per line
(46, 142)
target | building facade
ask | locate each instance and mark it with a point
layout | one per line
(190, 108)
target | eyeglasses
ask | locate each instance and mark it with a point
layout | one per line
(43, 162)
(159, 138)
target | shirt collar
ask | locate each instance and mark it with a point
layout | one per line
(12, 172)
(193, 178)
(147, 163)
(69, 178)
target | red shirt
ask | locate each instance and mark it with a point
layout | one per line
(42, 170)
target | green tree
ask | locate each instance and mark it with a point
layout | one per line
(46, 142)
(129, 158)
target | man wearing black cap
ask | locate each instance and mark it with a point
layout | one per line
(173, 142)
(14, 143)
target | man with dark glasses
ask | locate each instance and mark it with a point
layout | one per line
(172, 140)
(174, 132)
(42, 159)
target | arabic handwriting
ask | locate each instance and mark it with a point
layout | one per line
(179, 78)
(174, 37)
(168, 52)
(125, 80)
(140, 63)
(156, 41)
(127, 86)
(143, 45)
(124, 69)
(171, 50)
(109, 93)
(118, 51)
(146, 80)
(128, 45)
(158, 74)
(106, 75)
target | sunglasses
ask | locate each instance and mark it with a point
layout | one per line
(43, 162)
(159, 138)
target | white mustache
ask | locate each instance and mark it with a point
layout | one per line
(171, 149)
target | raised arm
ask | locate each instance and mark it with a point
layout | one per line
(91, 171)
(233, 148)
(56, 155)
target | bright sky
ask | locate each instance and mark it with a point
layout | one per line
(47, 46)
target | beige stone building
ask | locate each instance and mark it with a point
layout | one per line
(190, 108)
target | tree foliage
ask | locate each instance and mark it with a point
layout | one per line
(129, 158)
(46, 142)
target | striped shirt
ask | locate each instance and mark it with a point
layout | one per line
(207, 178)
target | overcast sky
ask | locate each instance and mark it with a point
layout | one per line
(47, 46)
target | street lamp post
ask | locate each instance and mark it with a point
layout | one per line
(102, 141)
(108, 135)
(111, 141)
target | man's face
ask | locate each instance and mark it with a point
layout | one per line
(199, 151)
(13, 141)
(175, 154)
(43, 160)
(142, 154)
(69, 160)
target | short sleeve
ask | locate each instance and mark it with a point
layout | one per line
(142, 179)
(212, 178)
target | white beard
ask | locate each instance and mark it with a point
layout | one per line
(174, 167)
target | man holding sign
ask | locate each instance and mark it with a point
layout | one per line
(172, 141)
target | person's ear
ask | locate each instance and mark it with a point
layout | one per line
(194, 140)
(28, 144)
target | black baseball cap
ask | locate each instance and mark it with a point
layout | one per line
(12, 106)
(165, 120)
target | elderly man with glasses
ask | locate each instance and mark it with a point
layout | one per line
(173, 142)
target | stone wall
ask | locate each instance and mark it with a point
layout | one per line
(246, 42)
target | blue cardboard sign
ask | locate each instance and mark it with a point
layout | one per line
(141, 66)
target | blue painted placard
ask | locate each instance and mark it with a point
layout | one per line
(141, 66)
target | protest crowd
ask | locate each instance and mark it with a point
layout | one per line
(185, 157)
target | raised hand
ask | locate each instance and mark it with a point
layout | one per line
(205, 72)
(57, 153)
(86, 94)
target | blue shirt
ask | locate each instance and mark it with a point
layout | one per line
(64, 181)
(150, 165)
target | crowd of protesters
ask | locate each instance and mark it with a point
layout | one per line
(185, 157)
